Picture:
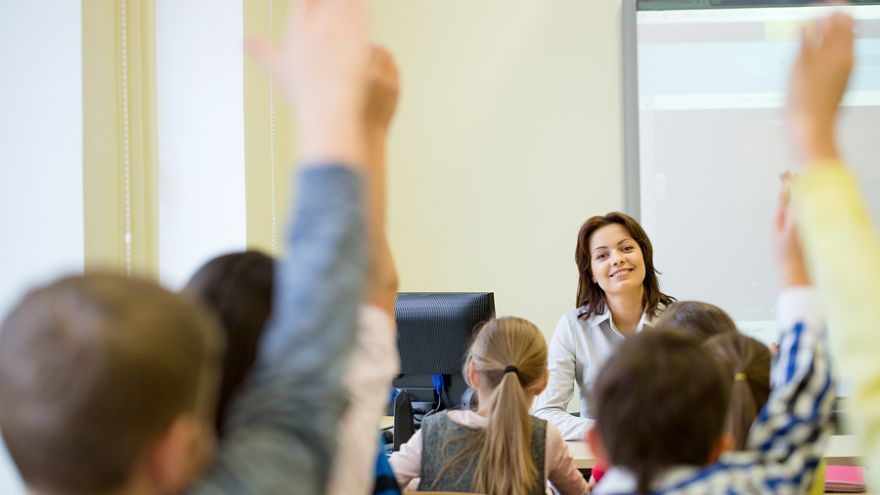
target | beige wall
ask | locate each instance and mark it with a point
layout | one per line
(509, 135)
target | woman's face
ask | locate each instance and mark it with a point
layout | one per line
(616, 260)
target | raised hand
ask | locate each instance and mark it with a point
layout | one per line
(818, 81)
(321, 66)
(789, 257)
(383, 88)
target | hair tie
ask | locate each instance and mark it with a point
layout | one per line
(739, 377)
(511, 369)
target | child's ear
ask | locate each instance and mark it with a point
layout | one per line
(473, 376)
(541, 384)
(180, 454)
(596, 446)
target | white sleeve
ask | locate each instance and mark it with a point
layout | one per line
(407, 462)
(559, 465)
(371, 368)
(552, 403)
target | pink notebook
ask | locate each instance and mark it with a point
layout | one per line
(844, 479)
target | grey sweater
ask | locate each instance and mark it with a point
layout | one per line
(282, 428)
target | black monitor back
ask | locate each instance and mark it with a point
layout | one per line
(433, 334)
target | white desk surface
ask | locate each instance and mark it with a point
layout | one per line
(842, 450)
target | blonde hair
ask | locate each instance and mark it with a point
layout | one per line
(510, 354)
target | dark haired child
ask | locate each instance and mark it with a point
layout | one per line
(662, 401)
(239, 286)
(746, 363)
(700, 319)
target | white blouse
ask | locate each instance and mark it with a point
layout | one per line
(577, 351)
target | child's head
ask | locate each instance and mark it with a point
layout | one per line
(700, 319)
(238, 287)
(601, 241)
(107, 382)
(508, 361)
(660, 401)
(747, 362)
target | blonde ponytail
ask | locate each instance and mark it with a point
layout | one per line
(506, 464)
(510, 354)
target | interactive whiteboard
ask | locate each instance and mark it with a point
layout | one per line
(705, 143)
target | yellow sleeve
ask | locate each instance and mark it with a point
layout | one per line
(843, 254)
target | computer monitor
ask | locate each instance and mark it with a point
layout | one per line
(434, 331)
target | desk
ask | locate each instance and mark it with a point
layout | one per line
(842, 450)
(386, 422)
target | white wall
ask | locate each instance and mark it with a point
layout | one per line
(41, 199)
(199, 65)
(509, 135)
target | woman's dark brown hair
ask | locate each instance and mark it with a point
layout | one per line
(660, 401)
(589, 295)
(747, 362)
(700, 319)
(238, 288)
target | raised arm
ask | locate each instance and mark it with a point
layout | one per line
(787, 440)
(382, 95)
(374, 362)
(834, 223)
(283, 425)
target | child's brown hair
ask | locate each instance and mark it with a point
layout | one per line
(92, 370)
(747, 362)
(700, 319)
(238, 288)
(660, 401)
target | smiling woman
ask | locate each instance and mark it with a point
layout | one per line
(618, 295)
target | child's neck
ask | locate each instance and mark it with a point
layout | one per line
(626, 310)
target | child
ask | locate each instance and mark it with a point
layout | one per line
(834, 220)
(746, 363)
(700, 319)
(238, 286)
(107, 383)
(498, 449)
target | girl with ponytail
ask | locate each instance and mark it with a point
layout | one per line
(499, 448)
(748, 364)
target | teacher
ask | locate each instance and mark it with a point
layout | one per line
(618, 295)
